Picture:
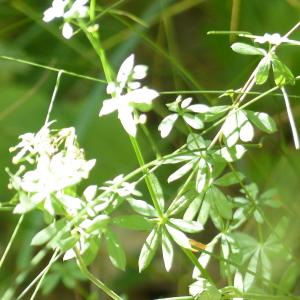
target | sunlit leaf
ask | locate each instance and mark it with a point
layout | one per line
(179, 237)
(166, 125)
(246, 49)
(134, 222)
(187, 226)
(149, 248)
(263, 70)
(142, 207)
(262, 121)
(167, 250)
(115, 250)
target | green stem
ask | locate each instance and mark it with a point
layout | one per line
(196, 263)
(12, 238)
(53, 95)
(291, 118)
(94, 279)
(141, 161)
(46, 270)
(22, 276)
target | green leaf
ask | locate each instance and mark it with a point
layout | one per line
(204, 212)
(193, 120)
(179, 237)
(115, 250)
(66, 244)
(187, 226)
(47, 233)
(193, 208)
(262, 121)
(246, 49)
(252, 266)
(289, 278)
(149, 248)
(181, 171)
(142, 207)
(282, 74)
(222, 204)
(230, 178)
(167, 250)
(158, 191)
(135, 222)
(229, 154)
(98, 223)
(195, 142)
(179, 204)
(263, 69)
(166, 125)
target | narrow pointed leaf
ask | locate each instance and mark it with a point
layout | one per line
(142, 207)
(187, 226)
(166, 125)
(167, 250)
(149, 248)
(134, 222)
(181, 171)
(246, 49)
(179, 237)
(115, 250)
(263, 70)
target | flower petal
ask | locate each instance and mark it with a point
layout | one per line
(127, 120)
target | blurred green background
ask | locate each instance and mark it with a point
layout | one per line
(171, 39)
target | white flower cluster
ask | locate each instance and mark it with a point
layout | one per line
(54, 163)
(128, 95)
(67, 10)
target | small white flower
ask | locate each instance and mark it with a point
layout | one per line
(55, 11)
(64, 9)
(67, 31)
(128, 95)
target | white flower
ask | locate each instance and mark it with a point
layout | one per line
(128, 95)
(55, 11)
(67, 31)
(66, 10)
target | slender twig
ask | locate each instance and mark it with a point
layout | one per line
(291, 118)
(12, 238)
(53, 95)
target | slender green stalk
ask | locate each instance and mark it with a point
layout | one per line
(141, 161)
(291, 118)
(32, 283)
(53, 95)
(196, 263)
(46, 270)
(27, 62)
(94, 279)
(12, 238)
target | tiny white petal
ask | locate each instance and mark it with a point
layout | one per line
(109, 106)
(127, 120)
(139, 72)
(67, 31)
(126, 69)
(186, 102)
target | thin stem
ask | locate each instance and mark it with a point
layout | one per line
(46, 270)
(291, 118)
(32, 283)
(94, 279)
(27, 62)
(12, 238)
(196, 263)
(53, 95)
(141, 161)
